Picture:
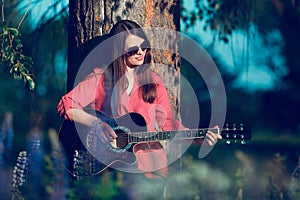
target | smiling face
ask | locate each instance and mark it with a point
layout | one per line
(135, 51)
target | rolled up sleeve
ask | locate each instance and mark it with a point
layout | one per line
(88, 92)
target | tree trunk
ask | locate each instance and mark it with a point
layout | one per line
(92, 18)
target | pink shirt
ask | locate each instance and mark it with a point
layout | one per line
(91, 92)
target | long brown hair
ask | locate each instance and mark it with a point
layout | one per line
(120, 31)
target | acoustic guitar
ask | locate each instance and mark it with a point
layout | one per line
(87, 155)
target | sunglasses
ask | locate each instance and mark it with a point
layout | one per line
(135, 49)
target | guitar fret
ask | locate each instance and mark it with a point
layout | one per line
(143, 137)
(199, 133)
(168, 134)
(195, 133)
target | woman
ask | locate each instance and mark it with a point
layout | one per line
(127, 85)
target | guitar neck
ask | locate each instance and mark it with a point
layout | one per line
(234, 133)
(169, 135)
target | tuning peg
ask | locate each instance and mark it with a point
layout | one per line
(241, 126)
(242, 137)
(227, 136)
(234, 126)
(226, 126)
(234, 136)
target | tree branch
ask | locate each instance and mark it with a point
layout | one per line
(2, 9)
(41, 26)
(27, 9)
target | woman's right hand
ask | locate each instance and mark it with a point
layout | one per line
(100, 128)
(106, 133)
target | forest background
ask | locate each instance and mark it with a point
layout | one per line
(256, 48)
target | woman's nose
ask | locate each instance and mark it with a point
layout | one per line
(140, 51)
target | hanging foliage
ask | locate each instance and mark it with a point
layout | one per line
(12, 57)
(219, 16)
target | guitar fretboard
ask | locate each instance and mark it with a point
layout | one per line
(169, 135)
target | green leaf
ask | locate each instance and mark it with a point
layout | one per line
(14, 31)
(12, 57)
(31, 84)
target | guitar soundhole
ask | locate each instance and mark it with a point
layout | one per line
(122, 141)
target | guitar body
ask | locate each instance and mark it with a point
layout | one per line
(87, 155)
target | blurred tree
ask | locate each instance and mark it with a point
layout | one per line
(222, 18)
(285, 99)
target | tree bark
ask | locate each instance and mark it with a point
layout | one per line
(92, 18)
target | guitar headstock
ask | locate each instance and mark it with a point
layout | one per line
(236, 133)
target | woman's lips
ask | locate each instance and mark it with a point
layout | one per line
(140, 58)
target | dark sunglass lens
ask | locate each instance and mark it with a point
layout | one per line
(135, 49)
(132, 50)
(144, 45)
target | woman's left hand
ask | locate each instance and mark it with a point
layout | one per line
(212, 138)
